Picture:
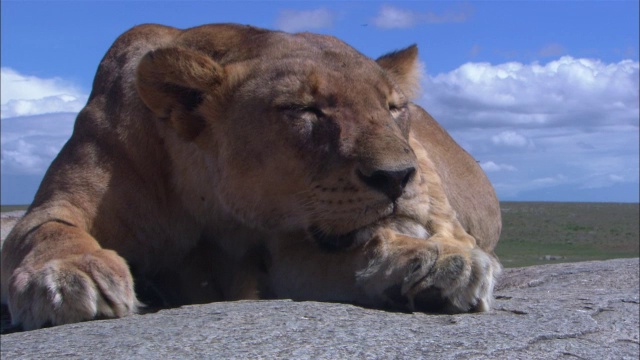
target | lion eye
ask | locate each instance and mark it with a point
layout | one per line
(302, 110)
(312, 110)
(396, 110)
(400, 115)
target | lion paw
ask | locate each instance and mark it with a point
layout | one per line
(72, 289)
(458, 282)
(431, 277)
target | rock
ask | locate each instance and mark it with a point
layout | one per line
(551, 257)
(9, 219)
(575, 310)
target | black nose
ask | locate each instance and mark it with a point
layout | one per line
(390, 183)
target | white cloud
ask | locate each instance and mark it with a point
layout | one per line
(547, 181)
(568, 124)
(591, 158)
(510, 189)
(37, 119)
(294, 21)
(391, 17)
(30, 143)
(511, 139)
(490, 166)
(22, 95)
(567, 91)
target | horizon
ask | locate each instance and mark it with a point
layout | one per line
(547, 103)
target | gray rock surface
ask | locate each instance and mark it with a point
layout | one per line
(9, 219)
(585, 310)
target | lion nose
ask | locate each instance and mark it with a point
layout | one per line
(389, 182)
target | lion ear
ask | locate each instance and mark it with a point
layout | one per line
(172, 82)
(403, 67)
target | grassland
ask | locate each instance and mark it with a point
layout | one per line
(539, 233)
(5, 208)
(536, 233)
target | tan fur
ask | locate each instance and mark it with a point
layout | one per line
(229, 162)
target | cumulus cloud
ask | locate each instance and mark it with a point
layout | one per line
(570, 123)
(30, 143)
(391, 17)
(294, 20)
(490, 166)
(511, 139)
(595, 157)
(580, 92)
(37, 119)
(29, 95)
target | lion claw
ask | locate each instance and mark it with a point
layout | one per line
(73, 289)
(458, 284)
(461, 281)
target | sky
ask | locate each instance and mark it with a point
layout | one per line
(543, 94)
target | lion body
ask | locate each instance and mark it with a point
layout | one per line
(228, 162)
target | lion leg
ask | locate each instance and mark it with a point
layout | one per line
(206, 274)
(64, 276)
(299, 270)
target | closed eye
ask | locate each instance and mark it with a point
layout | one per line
(308, 109)
(400, 114)
(397, 110)
(313, 110)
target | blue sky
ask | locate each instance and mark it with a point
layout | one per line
(544, 94)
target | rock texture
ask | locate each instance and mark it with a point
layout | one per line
(587, 310)
(583, 310)
(9, 219)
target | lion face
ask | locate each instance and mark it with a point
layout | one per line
(305, 135)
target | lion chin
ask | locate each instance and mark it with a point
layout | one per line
(229, 162)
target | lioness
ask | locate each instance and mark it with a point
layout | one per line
(231, 162)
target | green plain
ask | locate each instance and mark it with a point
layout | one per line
(5, 208)
(535, 233)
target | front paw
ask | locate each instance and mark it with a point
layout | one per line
(72, 289)
(461, 280)
(433, 275)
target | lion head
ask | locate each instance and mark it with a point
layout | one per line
(298, 131)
